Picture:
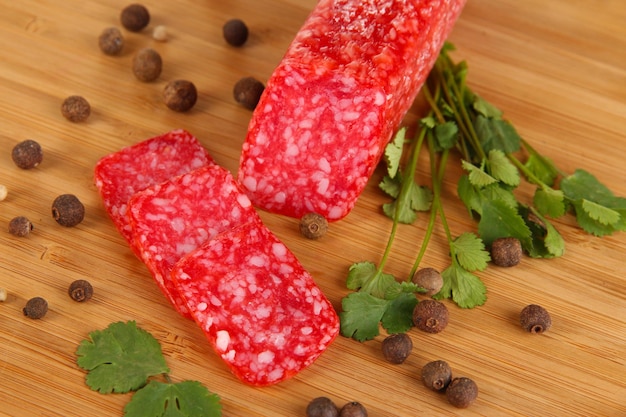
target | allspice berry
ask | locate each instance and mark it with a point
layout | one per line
(147, 65)
(111, 41)
(462, 392)
(80, 290)
(135, 17)
(247, 92)
(180, 95)
(67, 210)
(506, 251)
(322, 407)
(235, 32)
(436, 375)
(535, 319)
(75, 109)
(20, 226)
(430, 316)
(353, 409)
(428, 278)
(35, 308)
(27, 154)
(397, 348)
(313, 225)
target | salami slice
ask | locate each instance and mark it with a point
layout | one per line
(259, 308)
(173, 218)
(120, 175)
(333, 103)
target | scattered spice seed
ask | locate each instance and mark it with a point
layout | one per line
(247, 92)
(506, 251)
(111, 41)
(235, 32)
(436, 375)
(430, 316)
(3, 192)
(3, 294)
(67, 210)
(322, 407)
(147, 65)
(462, 392)
(430, 279)
(180, 95)
(135, 17)
(35, 308)
(159, 33)
(353, 409)
(535, 319)
(27, 154)
(20, 226)
(313, 225)
(75, 109)
(80, 290)
(397, 347)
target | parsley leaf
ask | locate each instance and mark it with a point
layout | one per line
(418, 198)
(497, 134)
(465, 288)
(502, 169)
(120, 358)
(361, 314)
(549, 202)
(477, 176)
(398, 317)
(184, 399)
(470, 252)
(500, 220)
(393, 152)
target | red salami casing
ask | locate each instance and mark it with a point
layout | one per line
(336, 98)
(259, 308)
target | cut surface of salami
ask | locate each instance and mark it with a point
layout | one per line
(173, 218)
(335, 100)
(120, 175)
(258, 307)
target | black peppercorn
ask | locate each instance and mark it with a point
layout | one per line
(462, 392)
(75, 109)
(67, 210)
(506, 251)
(247, 92)
(430, 316)
(322, 407)
(36, 308)
(27, 154)
(313, 225)
(147, 65)
(80, 290)
(180, 95)
(436, 375)
(535, 319)
(235, 32)
(429, 279)
(111, 41)
(135, 17)
(20, 226)
(353, 409)
(397, 347)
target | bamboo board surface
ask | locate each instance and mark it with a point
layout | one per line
(556, 68)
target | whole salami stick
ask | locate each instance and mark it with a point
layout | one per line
(335, 100)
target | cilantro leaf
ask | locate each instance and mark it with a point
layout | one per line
(359, 273)
(583, 185)
(361, 314)
(403, 287)
(602, 214)
(393, 152)
(497, 134)
(465, 288)
(502, 169)
(418, 198)
(446, 134)
(500, 220)
(549, 202)
(120, 358)
(398, 317)
(477, 176)
(184, 399)
(470, 252)
(366, 277)
(484, 108)
(547, 241)
(542, 167)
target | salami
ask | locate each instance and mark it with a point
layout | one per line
(334, 101)
(120, 175)
(173, 218)
(258, 307)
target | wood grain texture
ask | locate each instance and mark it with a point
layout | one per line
(557, 69)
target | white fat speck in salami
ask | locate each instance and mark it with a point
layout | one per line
(334, 101)
(272, 320)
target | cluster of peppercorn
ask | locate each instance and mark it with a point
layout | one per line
(325, 407)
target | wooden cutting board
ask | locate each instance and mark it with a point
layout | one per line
(558, 70)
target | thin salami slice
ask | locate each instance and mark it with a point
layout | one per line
(334, 101)
(257, 305)
(173, 218)
(120, 175)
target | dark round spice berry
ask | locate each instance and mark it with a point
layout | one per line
(180, 95)
(247, 92)
(235, 32)
(506, 251)
(67, 210)
(147, 65)
(397, 347)
(535, 319)
(111, 41)
(75, 109)
(322, 407)
(436, 375)
(135, 17)
(430, 316)
(462, 392)
(80, 290)
(35, 308)
(429, 279)
(353, 409)
(20, 226)
(313, 225)
(27, 154)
